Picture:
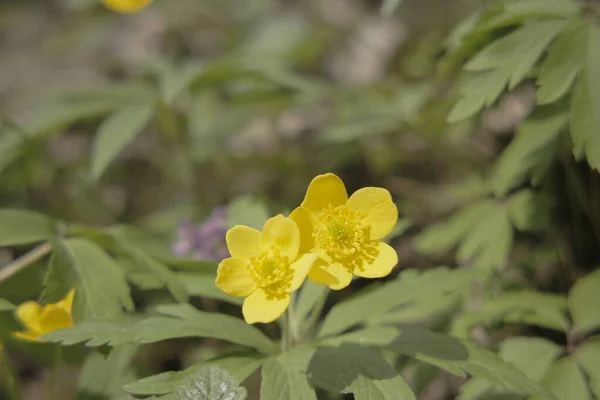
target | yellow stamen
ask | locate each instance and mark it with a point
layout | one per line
(272, 272)
(344, 238)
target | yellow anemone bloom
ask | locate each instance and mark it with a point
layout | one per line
(126, 6)
(346, 232)
(40, 320)
(264, 266)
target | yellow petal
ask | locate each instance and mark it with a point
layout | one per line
(28, 335)
(324, 190)
(243, 241)
(303, 219)
(234, 277)
(380, 212)
(30, 314)
(257, 308)
(55, 318)
(383, 265)
(126, 6)
(284, 233)
(301, 268)
(333, 275)
(67, 302)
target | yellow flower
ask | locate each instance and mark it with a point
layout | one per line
(346, 232)
(40, 320)
(264, 266)
(126, 6)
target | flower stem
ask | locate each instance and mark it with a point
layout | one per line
(313, 318)
(56, 361)
(22, 262)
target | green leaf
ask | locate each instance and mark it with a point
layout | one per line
(534, 147)
(247, 210)
(203, 284)
(442, 238)
(558, 8)
(103, 377)
(487, 245)
(585, 121)
(11, 145)
(588, 357)
(211, 383)
(115, 133)
(584, 303)
(529, 211)
(422, 342)
(356, 369)
(60, 277)
(310, 294)
(101, 288)
(531, 355)
(529, 307)
(565, 59)
(481, 90)
(6, 305)
(240, 366)
(518, 51)
(178, 321)
(377, 300)
(566, 381)
(284, 377)
(19, 227)
(176, 80)
(129, 242)
(379, 336)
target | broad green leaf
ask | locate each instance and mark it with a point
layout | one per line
(203, 284)
(487, 245)
(19, 227)
(378, 300)
(175, 80)
(481, 389)
(518, 51)
(240, 366)
(534, 146)
(247, 210)
(565, 59)
(528, 307)
(177, 321)
(6, 305)
(428, 307)
(211, 383)
(141, 240)
(529, 211)
(310, 294)
(115, 95)
(481, 90)
(585, 120)
(126, 237)
(103, 377)
(584, 303)
(352, 368)
(531, 355)
(558, 8)
(284, 377)
(421, 342)
(588, 357)
(442, 238)
(566, 380)
(101, 289)
(378, 336)
(115, 133)
(60, 277)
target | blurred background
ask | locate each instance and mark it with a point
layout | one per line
(248, 101)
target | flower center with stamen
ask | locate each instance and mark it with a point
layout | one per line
(344, 238)
(272, 272)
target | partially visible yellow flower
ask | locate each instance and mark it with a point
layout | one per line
(264, 266)
(346, 232)
(40, 320)
(126, 6)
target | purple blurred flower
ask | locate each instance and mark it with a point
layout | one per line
(205, 241)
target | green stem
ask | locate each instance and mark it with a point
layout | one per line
(9, 377)
(56, 361)
(22, 262)
(313, 318)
